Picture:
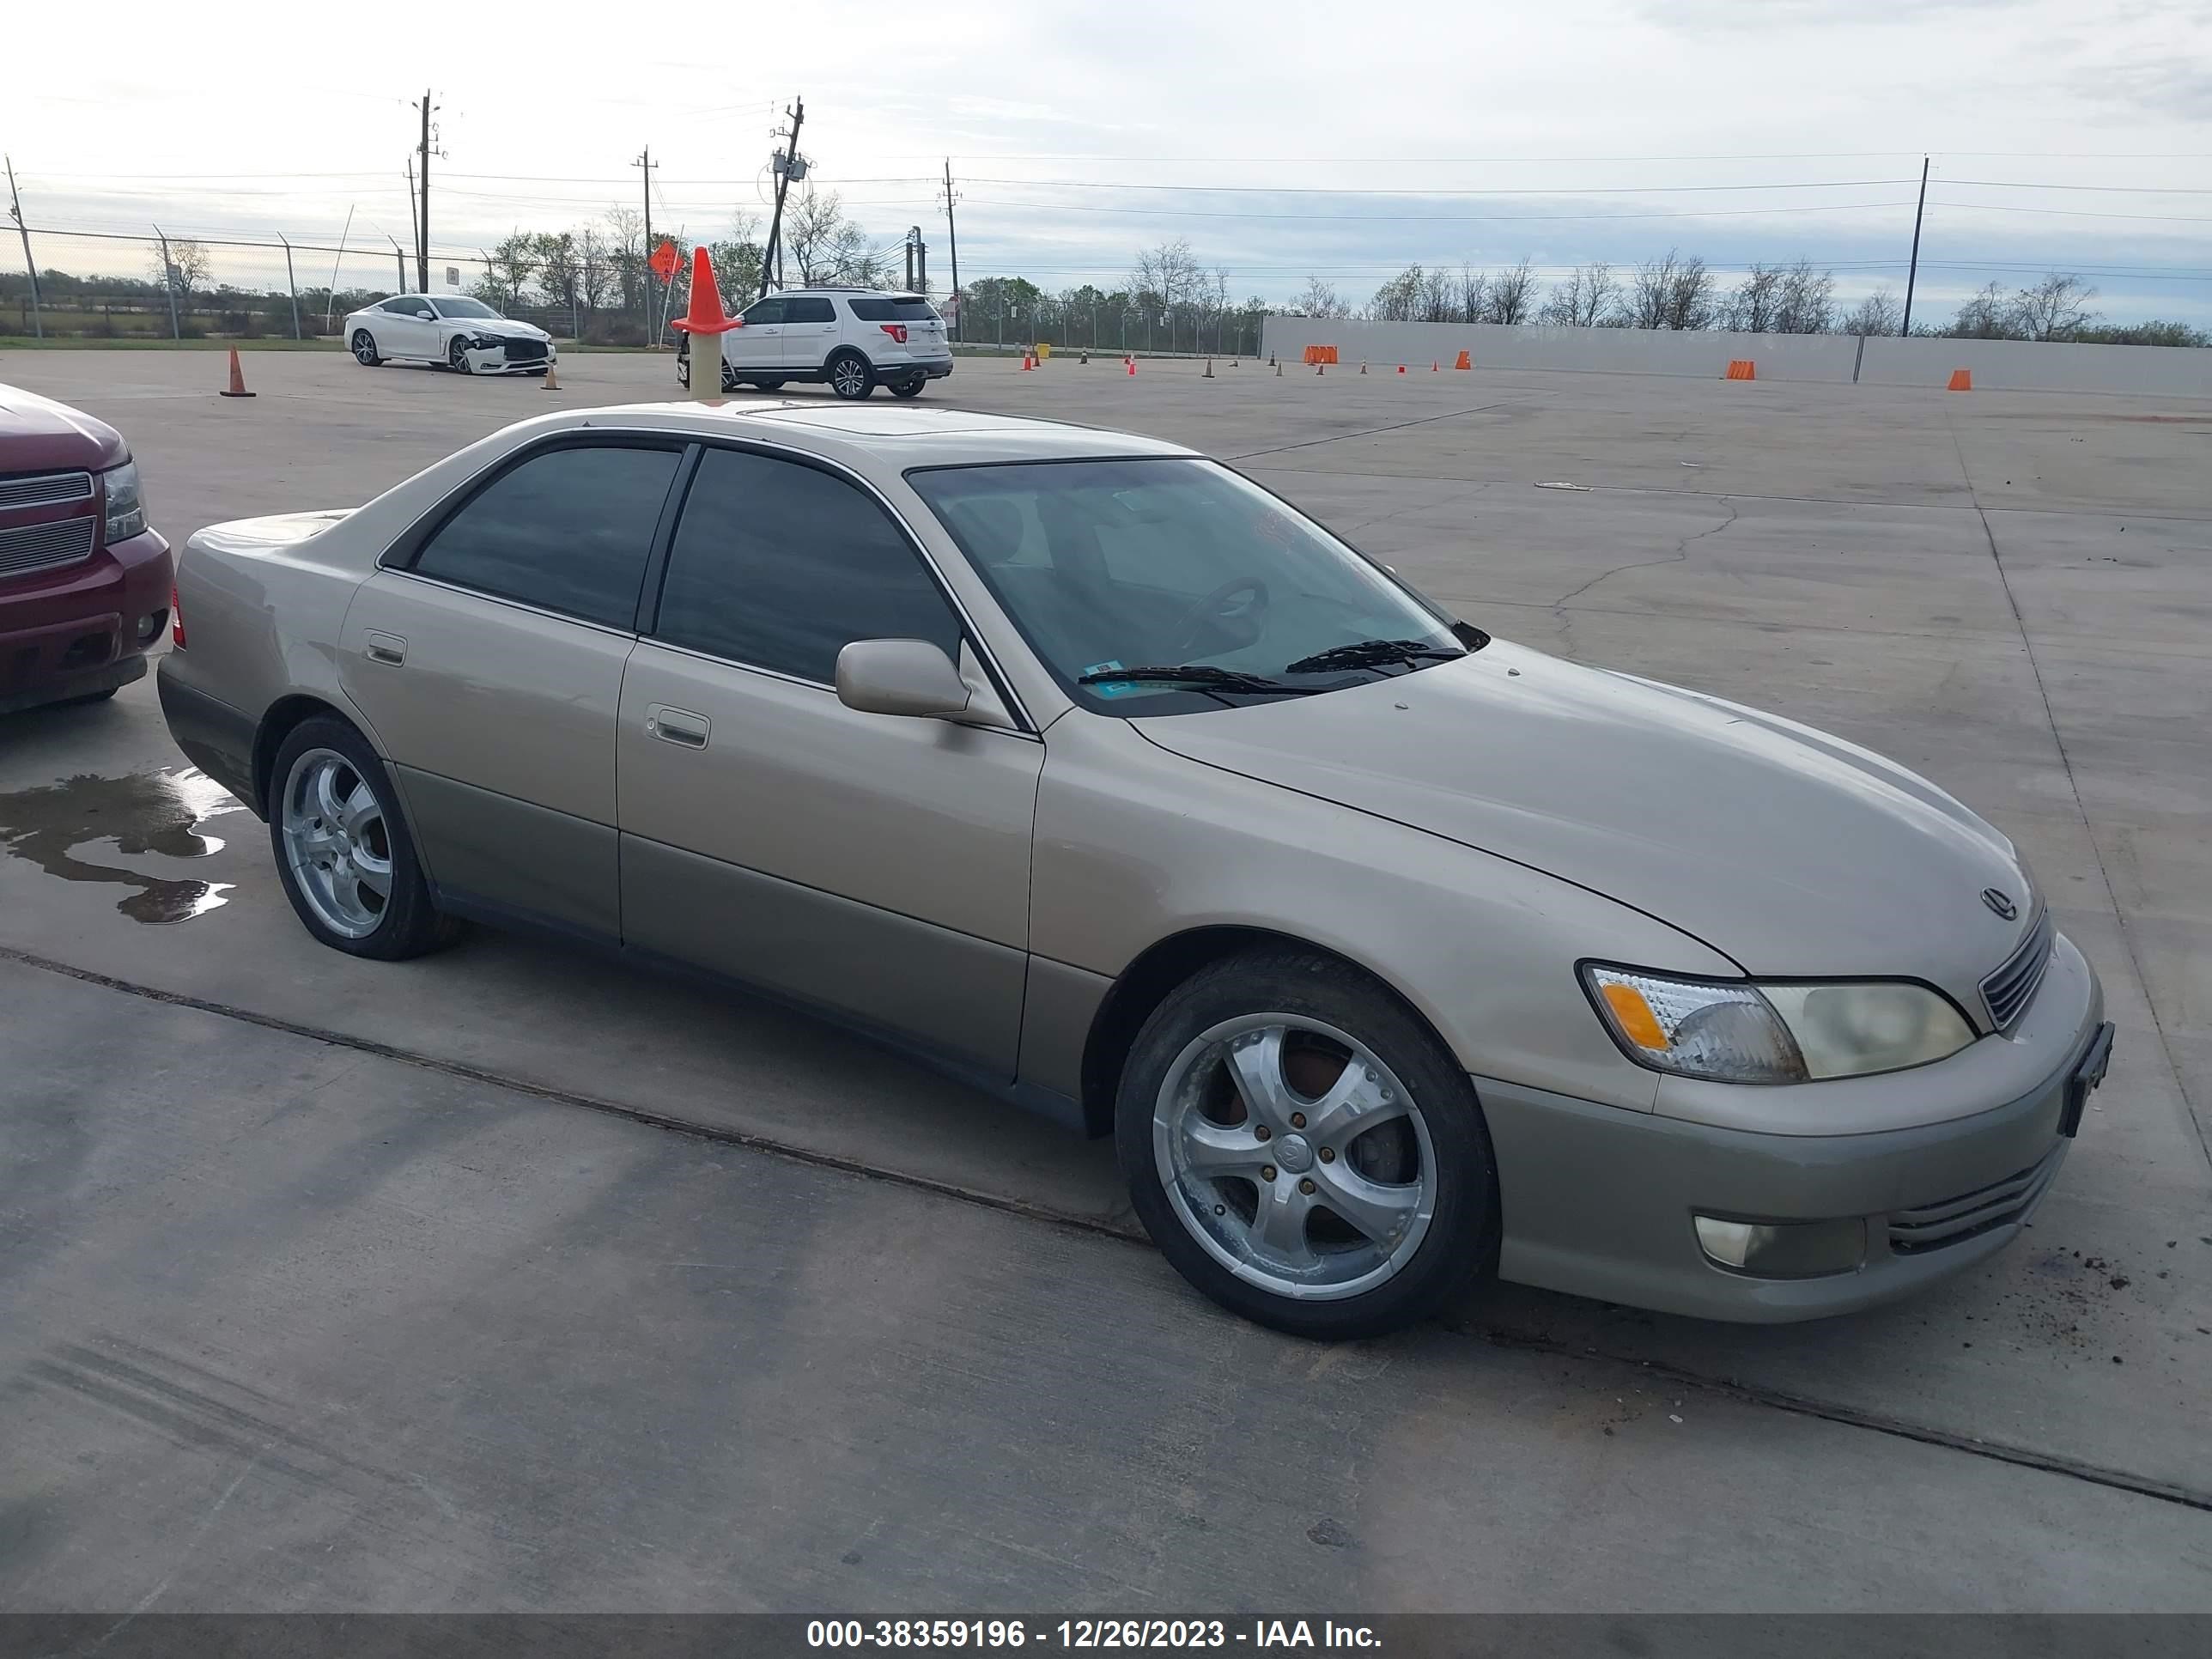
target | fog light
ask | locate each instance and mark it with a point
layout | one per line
(1783, 1249)
(151, 625)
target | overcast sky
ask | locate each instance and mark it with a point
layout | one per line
(1349, 140)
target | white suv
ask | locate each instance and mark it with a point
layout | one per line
(853, 338)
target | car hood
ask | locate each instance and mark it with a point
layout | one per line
(505, 327)
(1792, 852)
(37, 433)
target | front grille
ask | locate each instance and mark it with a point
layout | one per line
(525, 352)
(2006, 991)
(45, 546)
(1955, 1220)
(45, 488)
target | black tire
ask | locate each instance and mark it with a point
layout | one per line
(909, 388)
(457, 356)
(363, 347)
(88, 698)
(411, 925)
(683, 372)
(1460, 1244)
(773, 383)
(850, 374)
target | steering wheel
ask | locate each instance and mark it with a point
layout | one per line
(1215, 607)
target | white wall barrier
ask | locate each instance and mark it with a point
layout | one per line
(1996, 364)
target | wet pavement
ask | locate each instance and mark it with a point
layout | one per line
(379, 1284)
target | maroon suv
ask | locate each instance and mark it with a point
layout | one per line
(85, 586)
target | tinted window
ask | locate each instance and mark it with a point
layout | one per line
(892, 311)
(465, 308)
(765, 311)
(399, 308)
(781, 566)
(567, 530)
(808, 310)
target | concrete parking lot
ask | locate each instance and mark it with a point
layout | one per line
(507, 1279)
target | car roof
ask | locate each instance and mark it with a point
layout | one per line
(885, 435)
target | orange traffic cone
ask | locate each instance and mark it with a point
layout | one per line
(706, 315)
(552, 382)
(1962, 380)
(1131, 361)
(237, 378)
(1209, 370)
(1465, 361)
(1362, 368)
(1741, 369)
(1436, 369)
(1320, 369)
(1028, 362)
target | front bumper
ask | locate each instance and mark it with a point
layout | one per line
(1599, 1201)
(494, 361)
(84, 628)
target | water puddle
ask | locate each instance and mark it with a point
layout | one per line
(60, 826)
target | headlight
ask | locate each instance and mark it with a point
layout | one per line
(126, 503)
(483, 341)
(1736, 1032)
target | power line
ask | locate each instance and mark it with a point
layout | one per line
(1377, 190)
(1435, 218)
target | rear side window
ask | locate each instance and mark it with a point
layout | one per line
(567, 530)
(781, 566)
(808, 310)
(892, 311)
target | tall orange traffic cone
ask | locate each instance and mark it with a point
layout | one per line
(552, 381)
(237, 378)
(705, 321)
(1435, 367)
(1465, 361)
(1028, 362)
(1209, 370)
(1962, 380)
(1131, 361)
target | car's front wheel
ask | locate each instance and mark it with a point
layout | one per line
(364, 348)
(1303, 1148)
(457, 355)
(343, 853)
(850, 374)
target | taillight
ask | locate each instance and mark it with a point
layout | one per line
(896, 330)
(176, 620)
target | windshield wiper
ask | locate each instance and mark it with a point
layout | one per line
(1369, 654)
(1203, 675)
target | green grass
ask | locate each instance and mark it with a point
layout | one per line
(149, 343)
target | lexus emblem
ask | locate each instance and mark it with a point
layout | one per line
(2005, 909)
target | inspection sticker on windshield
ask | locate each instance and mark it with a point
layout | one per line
(1111, 688)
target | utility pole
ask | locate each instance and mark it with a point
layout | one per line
(169, 284)
(772, 254)
(422, 197)
(399, 257)
(291, 284)
(646, 164)
(952, 240)
(413, 209)
(1912, 271)
(15, 212)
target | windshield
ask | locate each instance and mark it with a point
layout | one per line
(463, 308)
(1169, 563)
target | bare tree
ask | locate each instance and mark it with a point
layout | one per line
(507, 269)
(1439, 296)
(1320, 298)
(625, 255)
(1474, 294)
(595, 272)
(1590, 294)
(825, 246)
(1399, 300)
(2055, 309)
(1807, 304)
(1671, 292)
(1987, 316)
(1878, 313)
(189, 265)
(1512, 295)
(1750, 306)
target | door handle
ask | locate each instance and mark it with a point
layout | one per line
(386, 647)
(677, 726)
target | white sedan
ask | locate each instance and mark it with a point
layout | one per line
(465, 334)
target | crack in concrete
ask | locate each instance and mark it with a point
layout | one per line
(1727, 1388)
(1680, 553)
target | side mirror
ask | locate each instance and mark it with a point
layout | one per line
(900, 677)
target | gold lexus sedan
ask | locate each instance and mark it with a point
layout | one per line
(1393, 955)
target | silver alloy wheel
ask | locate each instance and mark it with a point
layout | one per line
(337, 842)
(458, 354)
(364, 348)
(848, 378)
(1315, 1192)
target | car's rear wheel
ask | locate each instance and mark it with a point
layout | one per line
(909, 388)
(773, 383)
(457, 355)
(364, 348)
(1303, 1148)
(850, 374)
(342, 850)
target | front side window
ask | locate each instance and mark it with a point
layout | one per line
(1164, 564)
(568, 530)
(781, 566)
(763, 311)
(464, 308)
(808, 310)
